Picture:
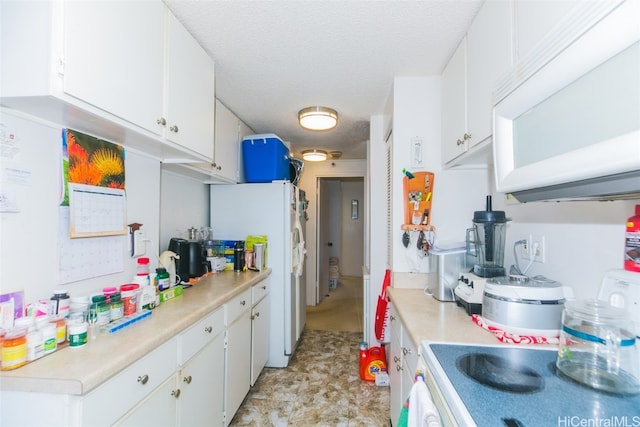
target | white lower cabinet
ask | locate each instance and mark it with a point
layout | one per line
(259, 328)
(238, 355)
(194, 394)
(402, 364)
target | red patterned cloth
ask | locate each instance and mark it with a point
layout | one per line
(509, 338)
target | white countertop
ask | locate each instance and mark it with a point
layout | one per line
(77, 371)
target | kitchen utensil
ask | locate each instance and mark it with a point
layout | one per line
(488, 241)
(525, 305)
(205, 233)
(597, 347)
(449, 263)
(193, 233)
(197, 259)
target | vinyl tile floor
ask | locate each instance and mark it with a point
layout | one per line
(321, 386)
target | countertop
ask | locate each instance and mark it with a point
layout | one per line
(425, 318)
(77, 371)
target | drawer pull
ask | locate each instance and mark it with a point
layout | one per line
(398, 368)
(396, 359)
(243, 302)
(405, 351)
(392, 318)
(174, 128)
(208, 329)
(175, 393)
(187, 379)
(143, 379)
(264, 287)
(161, 121)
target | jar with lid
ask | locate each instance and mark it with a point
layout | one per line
(102, 309)
(49, 342)
(14, 349)
(143, 265)
(61, 328)
(597, 347)
(78, 334)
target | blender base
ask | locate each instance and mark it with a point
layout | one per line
(487, 272)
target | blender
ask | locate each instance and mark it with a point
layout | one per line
(485, 242)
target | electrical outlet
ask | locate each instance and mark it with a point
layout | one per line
(139, 247)
(537, 245)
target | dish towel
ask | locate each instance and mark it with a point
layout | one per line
(419, 410)
(507, 337)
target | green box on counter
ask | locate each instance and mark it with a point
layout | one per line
(171, 293)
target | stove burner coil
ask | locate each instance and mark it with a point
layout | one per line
(500, 373)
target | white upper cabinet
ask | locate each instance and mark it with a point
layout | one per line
(468, 80)
(127, 72)
(189, 91)
(227, 143)
(114, 57)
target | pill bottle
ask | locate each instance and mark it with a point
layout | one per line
(143, 266)
(102, 308)
(108, 291)
(61, 328)
(163, 279)
(14, 349)
(59, 303)
(35, 345)
(77, 334)
(117, 306)
(49, 342)
(80, 305)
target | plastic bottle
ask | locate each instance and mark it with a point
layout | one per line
(364, 354)
(103, 309)
(59, 303)
(632, 243)
(143, 265)
(162, 278)
(14, 349)
(116, 306)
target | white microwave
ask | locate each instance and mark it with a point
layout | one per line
(566, 119)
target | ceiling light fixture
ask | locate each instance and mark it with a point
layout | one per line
(318, 118)
(314, 155)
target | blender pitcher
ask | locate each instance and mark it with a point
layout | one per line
(487, 244)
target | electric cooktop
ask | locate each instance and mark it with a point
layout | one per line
(517, 386)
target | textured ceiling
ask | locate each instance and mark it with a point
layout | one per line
(274, 58)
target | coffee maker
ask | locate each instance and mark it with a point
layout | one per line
(485, 242)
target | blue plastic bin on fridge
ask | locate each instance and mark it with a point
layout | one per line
(265, 158)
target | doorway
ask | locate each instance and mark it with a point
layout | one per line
(340, 251)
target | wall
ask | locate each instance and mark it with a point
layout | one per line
(352, 245)
(29, 248)
(308, 182)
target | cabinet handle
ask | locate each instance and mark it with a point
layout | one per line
(459, 142)
(161, 121)
(396, 359)
(175, 393)
(398, 368)
(208, 329)
(467, 136)
(392, 318)
(219, 168)
(143, 379)
(243, 302)
(258, 314)
(187, 379)
(264, 287)
(405, 351)
(174, 128)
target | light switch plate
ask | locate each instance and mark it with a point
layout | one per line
(417, 152)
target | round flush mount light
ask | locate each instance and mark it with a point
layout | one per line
(318, 118)
(314, 155)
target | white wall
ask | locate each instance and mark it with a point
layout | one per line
(308, 183)
(29, 238)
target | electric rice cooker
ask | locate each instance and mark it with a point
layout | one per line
(524, 305)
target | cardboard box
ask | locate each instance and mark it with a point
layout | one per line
(171, 293)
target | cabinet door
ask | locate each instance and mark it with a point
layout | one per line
(114, 58)
(395, 367)
(259, 338)
(190, 91)
(159, 409)
(489, 47)
(244, 131)
(238, 362)
(454, 106)
(201, 382)
(227, 141)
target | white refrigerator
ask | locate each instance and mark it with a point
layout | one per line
(271, 209)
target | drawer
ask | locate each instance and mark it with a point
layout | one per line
(238, 305)
(259, 291)
(394, 324)
(126, 389)
(199, 335)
